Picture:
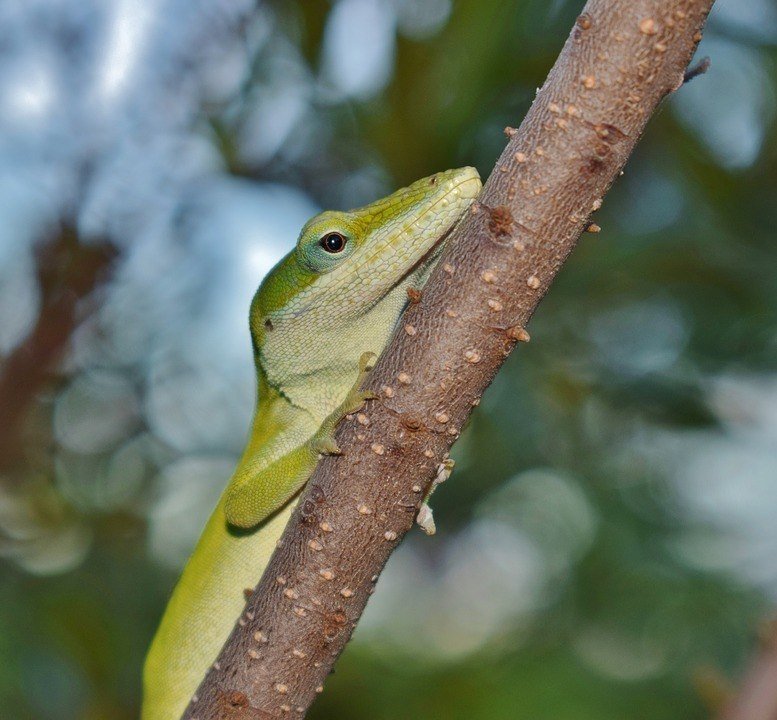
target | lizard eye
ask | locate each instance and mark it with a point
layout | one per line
(333, 242)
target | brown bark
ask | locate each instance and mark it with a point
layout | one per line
(620, 60)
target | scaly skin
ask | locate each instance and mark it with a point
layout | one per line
(312, 320)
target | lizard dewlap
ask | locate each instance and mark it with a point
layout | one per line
(317, 322)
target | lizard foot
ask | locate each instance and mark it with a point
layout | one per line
(323, 442)
(356, 397)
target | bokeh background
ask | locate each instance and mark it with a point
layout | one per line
(607, 547)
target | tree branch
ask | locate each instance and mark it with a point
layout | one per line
(621, 59)
(68, 271)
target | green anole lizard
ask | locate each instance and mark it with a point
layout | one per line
(317, 322)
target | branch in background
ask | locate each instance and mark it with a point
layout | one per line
(699, 68)
(621, 59)
(756, 698)
(67, 271)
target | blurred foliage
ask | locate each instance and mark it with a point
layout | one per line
(608, 535)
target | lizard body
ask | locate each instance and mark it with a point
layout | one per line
(316, 320)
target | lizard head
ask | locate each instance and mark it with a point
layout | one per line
(341, 290)
(346, 263)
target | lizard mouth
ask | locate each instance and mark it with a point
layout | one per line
(430, 255)
(407, 244)
(432, 225)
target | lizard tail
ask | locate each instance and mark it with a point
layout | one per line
(202, 610)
